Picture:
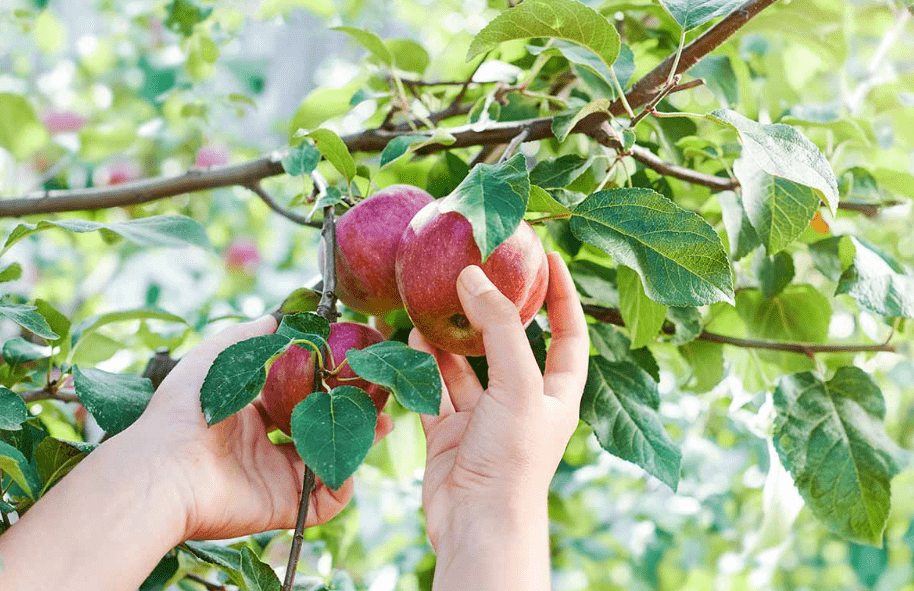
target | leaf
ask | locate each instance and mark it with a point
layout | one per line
(19, 350)
(13, 411)
(333, 432)
(11, 273)
(679, 256)
(694, 13)
(778, 209)
(115, 400)
(541, 201)
(399, 146)
(620, 402)
(707, 363)
(14, 464)
(93, 323)
(54, 460)
(408, 55)
(560, 19)
(301, 159)
(369, 41)
(307, 329)
(563, 123)
(595, 282)
(611, 344)
(412, 376)
(878, 282)
(775, 273)
(782, 151)
(183, 15)
(719, 77)
(493, 198)
(799, 313)
(21, 133)
(26, 317)
(643, 317)
(557, 173)
(161, 574)
(157, 230)
(238, 374)
(831, 437)
(59, 323)
(335, 151)
(623, 67)
(687, 320)
(446, 175)
(832, 256)
(868, 563)
(741, 235)
(301, 300)
(258, 575)
(227, 559)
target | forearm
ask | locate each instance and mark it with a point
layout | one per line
(502, 549)
(104, 526)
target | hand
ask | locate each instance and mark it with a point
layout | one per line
(493, 452)
(233, 480)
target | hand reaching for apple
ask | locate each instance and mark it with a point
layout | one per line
(492, 453)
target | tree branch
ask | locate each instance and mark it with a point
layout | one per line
(48, 393)
(613, 316)
(271, 203)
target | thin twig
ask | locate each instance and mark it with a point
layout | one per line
(201, 581)
(649, 108)
(512, 147)
(613, 316)
(266, 198)
(49, 393)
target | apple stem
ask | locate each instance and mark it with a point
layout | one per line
(325, 309)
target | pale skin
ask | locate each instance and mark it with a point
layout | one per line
(168, 478)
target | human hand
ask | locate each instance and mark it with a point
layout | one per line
(232, 479)
(492, 453)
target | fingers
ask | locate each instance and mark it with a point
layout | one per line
(512, 367)
(447, 407)
(566, 362)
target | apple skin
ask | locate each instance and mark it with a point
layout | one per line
(366, 246)
(212, 155)
(63, 121)
(433, 251)
(291, 377)
(242, 255)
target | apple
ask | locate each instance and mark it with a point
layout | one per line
(63, 121)
(435, 247)
(212, 155)
(242, 255)
(117, 172)
(366, 246)
(291, 377)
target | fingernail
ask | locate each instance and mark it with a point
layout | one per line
(475, 281)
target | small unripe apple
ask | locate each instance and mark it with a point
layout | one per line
(435, 248)
(63, 121)
(242, 255)
(366, 246)
(291, 377)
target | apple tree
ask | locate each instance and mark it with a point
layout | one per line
(729, 181)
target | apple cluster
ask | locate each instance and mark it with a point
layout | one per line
(402, 248)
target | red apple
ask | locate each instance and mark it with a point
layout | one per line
(212, 155)
(291, 377)
(434, 249)
(366, 246)
(242, 255)
(63, 121)
(118, 171)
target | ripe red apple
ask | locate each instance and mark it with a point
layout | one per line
(212, 155)
(434, 249)
(291, 377)
(242, 255)
(366, 246)
(63, 121)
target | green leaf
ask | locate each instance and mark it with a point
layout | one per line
(687, 320)
(620, 402)
(832, 256)
(227, 559)
(542, 201)
(54, 460)
(774, 273)
(831, 437)
(412, 376)
(595, 282)
(493, 198)
(301, 159)
(741, 235)
(335, 151)
(369, 41)
(13, 411)
(611, 344)
(799, 313)
(333, 432)
(11, 273)
(26, 317)
(183, 15)
(161, 574)
(238, 374)
(446, 175)
(19, 350)
(306, 326)
(557, 173)
(878, 282)
(782, 151)
(623, 67)
(707, 363)
(93, 323)
(258, 575)
(778, 209)
(21, 133)
(157, 230)
(719, 77)
(408, 55)
(14, 464)
(399, 146)
(643, 316)
(679, 256)
(115, 400)
(694, 13)
(869, 563)
(301, 300)
(57, 321)
(560, 19)
(563, 123)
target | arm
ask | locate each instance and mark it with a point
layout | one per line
(165, 479)
(492, 453)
